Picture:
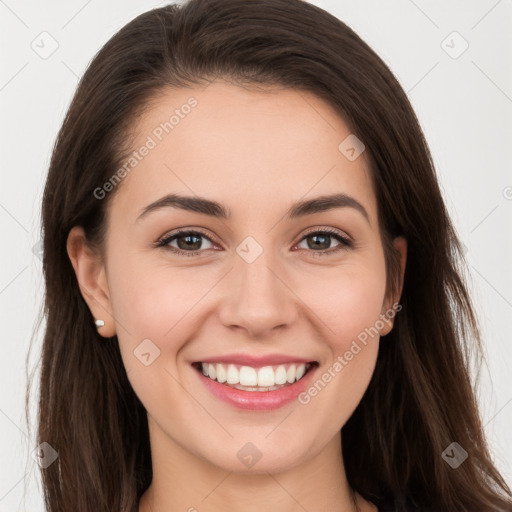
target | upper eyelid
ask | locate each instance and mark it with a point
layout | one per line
(330, 230)
(185, 231)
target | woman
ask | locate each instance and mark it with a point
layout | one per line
(253, 289)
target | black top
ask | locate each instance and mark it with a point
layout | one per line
(390, 507)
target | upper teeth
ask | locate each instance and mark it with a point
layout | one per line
(266, 376)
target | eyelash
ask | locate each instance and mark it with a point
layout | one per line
(345, 243)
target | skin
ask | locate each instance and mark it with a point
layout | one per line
(257, 152)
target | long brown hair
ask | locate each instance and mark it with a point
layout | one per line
(420, 398)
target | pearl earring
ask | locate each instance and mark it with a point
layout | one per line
(99, 323)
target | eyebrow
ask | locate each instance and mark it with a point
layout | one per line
(214, 209)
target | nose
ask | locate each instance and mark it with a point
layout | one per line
(257, 297)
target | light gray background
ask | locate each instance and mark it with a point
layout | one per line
(464, 105)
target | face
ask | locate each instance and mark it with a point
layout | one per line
(265, 285)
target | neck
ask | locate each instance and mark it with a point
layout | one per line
(183, 481)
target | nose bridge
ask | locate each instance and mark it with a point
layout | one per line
(257, 298)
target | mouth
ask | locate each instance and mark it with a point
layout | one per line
(255, 379)
(256, 388)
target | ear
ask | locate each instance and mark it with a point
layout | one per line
(389, 312)
(92, 280)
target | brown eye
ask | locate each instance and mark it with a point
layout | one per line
(320, 242)
(189, 243)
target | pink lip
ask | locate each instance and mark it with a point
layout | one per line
(257, 400)
(255, 361)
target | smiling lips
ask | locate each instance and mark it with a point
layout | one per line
(255, 382)
(249, 378)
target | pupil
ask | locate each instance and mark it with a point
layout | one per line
(186, 244)
(324, 245)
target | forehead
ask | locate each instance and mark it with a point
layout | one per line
(246, 148)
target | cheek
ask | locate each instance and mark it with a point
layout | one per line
(151, 323)
(153, 299)
(349, 302)
(349, 305)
